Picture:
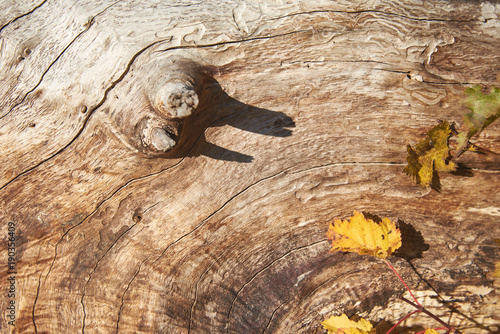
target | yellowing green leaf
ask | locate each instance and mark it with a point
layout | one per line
(342, 325)
(485, 107)
(364, 236)
(430, 154)
(414, 166)
(462, 143)
(485, 110)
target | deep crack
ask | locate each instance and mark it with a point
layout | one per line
(34, 302)
(87, 28)
(23, 15)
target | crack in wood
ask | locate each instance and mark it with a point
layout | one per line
(87, 28)
(23, 15)
(484, 83)
(189, 5)
(152, 206)
(45, 72)
(266, 267)
(120, 188)
(215, 212)
(197, 284)
(126, 290)
(360, 61)
(197, 227)
(318, 287)
(397, 71)
(123, 75)
(350, 163)
(89, 114)
(340, 61)
(199, 289)
(34, 303)
(187, 47)
(275, 311)
(106, 200)
(93, 271)
(176, 241)
(244, 40)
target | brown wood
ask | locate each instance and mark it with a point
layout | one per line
(301, 113)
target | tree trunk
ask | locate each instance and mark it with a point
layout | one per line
(171, 166)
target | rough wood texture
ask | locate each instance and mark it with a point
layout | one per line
(301, 113)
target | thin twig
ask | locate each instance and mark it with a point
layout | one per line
(404, 283)
(403, 319)
(450, 328)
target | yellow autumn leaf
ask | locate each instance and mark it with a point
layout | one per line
(430, 331)
(364, 236)
(342, 325)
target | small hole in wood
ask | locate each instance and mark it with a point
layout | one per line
(32, 124)
(137, 218)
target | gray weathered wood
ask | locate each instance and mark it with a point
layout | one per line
(305, 110)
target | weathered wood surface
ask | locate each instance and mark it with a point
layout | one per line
(305, 110)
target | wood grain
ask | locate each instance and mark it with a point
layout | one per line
(305, 110)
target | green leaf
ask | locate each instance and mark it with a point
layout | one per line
(485, 110)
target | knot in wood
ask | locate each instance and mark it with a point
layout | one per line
(177, 99)
(151, 106)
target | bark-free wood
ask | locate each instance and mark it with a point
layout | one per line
(305, 110)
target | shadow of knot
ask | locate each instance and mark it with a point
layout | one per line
(218, 109)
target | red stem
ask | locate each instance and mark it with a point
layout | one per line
(403, 319)
(404, 283)
(421, 309)
(418, 306)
